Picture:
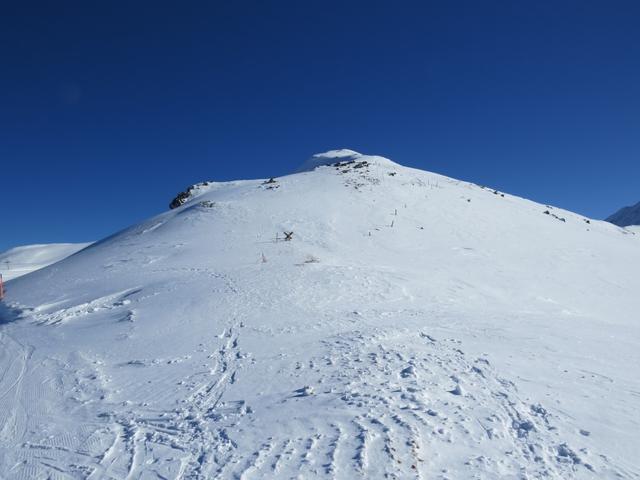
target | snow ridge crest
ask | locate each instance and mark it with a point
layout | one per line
(340, 155)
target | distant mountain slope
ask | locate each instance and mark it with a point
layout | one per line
(19, 261)
(413, 327)
(626, 216)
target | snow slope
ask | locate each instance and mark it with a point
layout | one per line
(415, 326)
(19, 261)
(626, 216)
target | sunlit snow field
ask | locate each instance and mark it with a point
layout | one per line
(415, 326)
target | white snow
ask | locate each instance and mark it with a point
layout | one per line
(19, 261)
(328, 158)
(442, 330)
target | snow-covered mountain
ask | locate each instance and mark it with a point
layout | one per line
(414, 326)
(626, 216)
(19, 261)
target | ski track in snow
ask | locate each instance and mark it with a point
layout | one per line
(393, 404)
(194, 433)
(12, 412)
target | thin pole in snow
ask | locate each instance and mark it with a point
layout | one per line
(1, 288)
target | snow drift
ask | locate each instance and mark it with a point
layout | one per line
(415, 326)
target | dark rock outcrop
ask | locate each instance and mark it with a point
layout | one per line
(184, 197)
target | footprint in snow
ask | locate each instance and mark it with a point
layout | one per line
(456, 390)
(305, 391)
(410, 371)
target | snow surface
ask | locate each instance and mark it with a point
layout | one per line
(327, 158)
(19, 261)
(415, 326)
(626, 216)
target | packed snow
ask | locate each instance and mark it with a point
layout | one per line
(19, 261)
(357, 320)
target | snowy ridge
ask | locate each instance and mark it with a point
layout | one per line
(415, 326)
(19, 261)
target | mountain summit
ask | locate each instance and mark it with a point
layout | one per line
(359, 319)
(626, 216)
(328, 158)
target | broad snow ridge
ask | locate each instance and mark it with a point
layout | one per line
(407, 326)
(19, 261)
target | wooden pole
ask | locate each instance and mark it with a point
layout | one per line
(1, 288)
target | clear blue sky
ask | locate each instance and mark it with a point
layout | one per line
(108, 109)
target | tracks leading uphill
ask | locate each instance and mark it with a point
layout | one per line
(13, 366)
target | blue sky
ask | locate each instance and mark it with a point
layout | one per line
(108, 109)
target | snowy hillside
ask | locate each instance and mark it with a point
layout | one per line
(414, 326)
(19, 261)
(626, 216)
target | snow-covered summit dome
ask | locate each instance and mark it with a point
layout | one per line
(328, 158)
(341, 155)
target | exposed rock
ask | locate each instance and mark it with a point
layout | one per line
(184, 197)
